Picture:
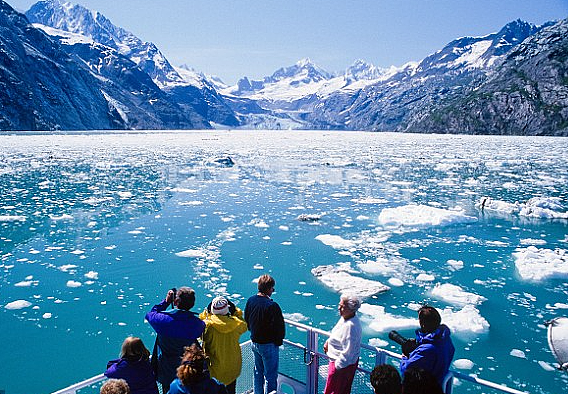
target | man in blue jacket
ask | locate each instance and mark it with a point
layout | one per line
(266, 325)
(176, 329)
(434, 348)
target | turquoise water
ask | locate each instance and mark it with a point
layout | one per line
(95, 228)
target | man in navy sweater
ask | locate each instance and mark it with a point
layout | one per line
(176, 329)
(266, 325)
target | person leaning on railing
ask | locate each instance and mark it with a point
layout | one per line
(343, 347)
(433, 349)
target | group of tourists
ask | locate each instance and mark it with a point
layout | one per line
(201, 354)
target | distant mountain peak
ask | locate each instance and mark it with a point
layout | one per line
(80, 20)
(304, 71)
(363, 70)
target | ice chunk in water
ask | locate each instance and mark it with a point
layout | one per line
(18, 304)
(345, 283)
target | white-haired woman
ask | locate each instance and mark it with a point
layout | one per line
(343, 347)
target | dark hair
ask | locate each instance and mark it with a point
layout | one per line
(420, 381)
(185, 298)
(133, 349)
(192, 365)
(385, 379)
(429, 319)
(265, 283)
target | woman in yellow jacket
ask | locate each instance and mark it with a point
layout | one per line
(224, 325)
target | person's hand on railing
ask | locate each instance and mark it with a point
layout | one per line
(325, 347)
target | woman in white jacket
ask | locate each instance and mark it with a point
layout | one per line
(343, 347)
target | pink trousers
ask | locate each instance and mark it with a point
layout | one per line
(339, 381)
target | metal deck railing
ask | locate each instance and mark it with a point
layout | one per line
(303, 369)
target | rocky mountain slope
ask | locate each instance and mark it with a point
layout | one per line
(527, 94)
(42, 88)
(401, 101)
(194, 94)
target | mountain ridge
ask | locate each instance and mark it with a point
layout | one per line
(138, 87)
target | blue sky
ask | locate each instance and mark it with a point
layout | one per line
(234, 38)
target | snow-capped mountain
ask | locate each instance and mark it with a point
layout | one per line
(362, 70)
(399, 102)
(76, 70)
(43, 88)
(192, 91)
(80, 20)
(57, 80)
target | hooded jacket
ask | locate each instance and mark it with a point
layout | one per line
(434, 353)
(137, 373)
(221, 344)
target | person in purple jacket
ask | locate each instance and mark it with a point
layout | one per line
(434, 348)
(175, 330)
(134, 367)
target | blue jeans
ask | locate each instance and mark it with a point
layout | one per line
(265, 367)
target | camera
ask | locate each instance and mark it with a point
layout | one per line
(173, 290)
(407, 345)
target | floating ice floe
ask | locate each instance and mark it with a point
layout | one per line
(12, 218)
(466, 320)
(125, 195)
(422, 216)
(518, 353)
(536, 264)
(193, 253)
(47, 315)
(546, 366)
(463, 363)
(27, 283)
(73, 283)
(190, 203)
(61, 217)
(92, 275)
(425, 277)
(532, 241)
(18, 304)
(396, 282)
(454, 294)
(536, 207)
(344, 283)
(335, 241)
(370, 200)
(382, 321)
(378, 342)
(183, 190)
(455, 264)
(380, 266)
(67, 268)
(297, 317)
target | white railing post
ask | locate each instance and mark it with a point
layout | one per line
(312, 362)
